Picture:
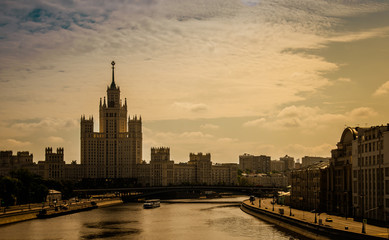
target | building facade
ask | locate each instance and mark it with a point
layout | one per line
(116, 149)
(161, 167)
(339, 175)
(203, 167)
(54, 164)
(10, 162)
(309, 187)
(277, 166)
(288, 162)
(257, 164)
(199, 170)
(370, 173)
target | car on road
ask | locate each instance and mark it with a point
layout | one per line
(328, 219)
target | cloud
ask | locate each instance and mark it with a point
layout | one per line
(13, 143)
(192, 107)
(253, 123)
(209, 126)
(195, 135)
(349, 37)
(296, 117)
(54, 139)
(47, 124)
(362, 112)
(342, 79)
(382, 90)
(227, 140)
(319, 150)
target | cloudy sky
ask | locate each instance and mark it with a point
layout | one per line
(228, 77)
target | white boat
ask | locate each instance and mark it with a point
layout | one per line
(153, 203)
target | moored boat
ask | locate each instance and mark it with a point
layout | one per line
(153, 203)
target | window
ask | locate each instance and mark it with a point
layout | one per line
(386, 186)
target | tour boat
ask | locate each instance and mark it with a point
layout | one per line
(153, 203)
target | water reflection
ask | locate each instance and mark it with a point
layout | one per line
(131, 221)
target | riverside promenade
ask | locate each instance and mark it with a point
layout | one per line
(300, 220)
(29, 211)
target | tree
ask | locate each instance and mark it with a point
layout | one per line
(8, 190)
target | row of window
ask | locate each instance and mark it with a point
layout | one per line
(371, 160)
(370, 147)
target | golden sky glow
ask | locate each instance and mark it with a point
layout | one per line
(221, 76)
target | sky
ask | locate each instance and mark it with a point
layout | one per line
(226, 77)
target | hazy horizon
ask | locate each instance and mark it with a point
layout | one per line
(223, 76)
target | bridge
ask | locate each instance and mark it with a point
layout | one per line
(134, 193)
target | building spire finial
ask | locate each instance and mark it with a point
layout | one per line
(113, 85)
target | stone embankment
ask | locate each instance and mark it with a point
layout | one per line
(308, 225)
(29, 212)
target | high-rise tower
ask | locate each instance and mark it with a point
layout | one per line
(114, 151)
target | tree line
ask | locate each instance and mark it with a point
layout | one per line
(23, 187)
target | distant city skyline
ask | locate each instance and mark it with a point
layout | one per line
(225, 77)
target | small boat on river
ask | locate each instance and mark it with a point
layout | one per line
(153, 203)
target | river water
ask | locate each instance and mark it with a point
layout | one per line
(131, 221)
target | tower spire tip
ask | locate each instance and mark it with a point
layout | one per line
(113, 85)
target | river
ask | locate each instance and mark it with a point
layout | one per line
(131, 221)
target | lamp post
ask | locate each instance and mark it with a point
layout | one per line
(363, 214)
(290, 208)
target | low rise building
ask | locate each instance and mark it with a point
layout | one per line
(266, 180)
(308, 160)
(309, 187)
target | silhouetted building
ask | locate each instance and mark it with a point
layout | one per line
(10, 162)
(203, 167)
(114, 151)
(339, 175)
(161, 167)
(54, 164)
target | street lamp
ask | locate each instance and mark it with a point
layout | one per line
(363, 213)
(290, 208)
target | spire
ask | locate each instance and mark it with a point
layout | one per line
(113, 85)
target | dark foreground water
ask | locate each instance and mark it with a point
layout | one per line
(131, 221)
